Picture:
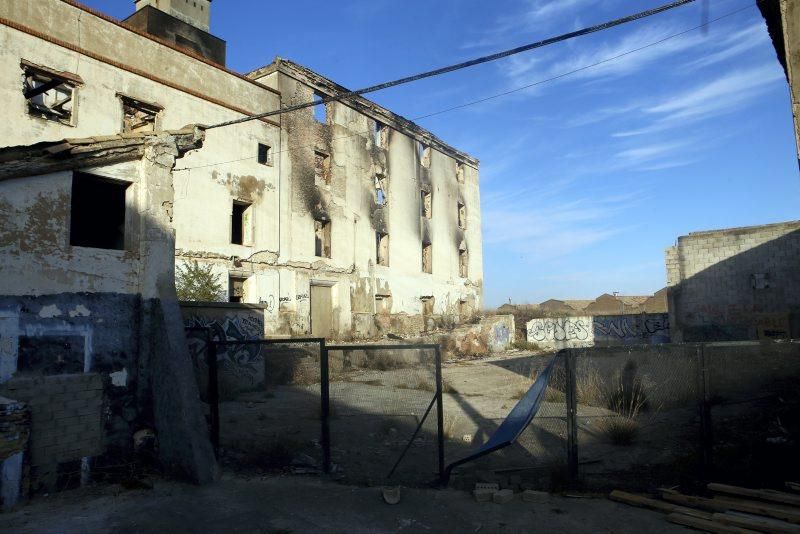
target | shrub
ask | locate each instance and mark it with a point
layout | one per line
(195, 282)
(589, 388)
(554, 395)
(620, 430)
(449, 424)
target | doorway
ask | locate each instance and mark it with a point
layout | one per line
(321, 311)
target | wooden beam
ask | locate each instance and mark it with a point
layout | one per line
(763, 494)
(754, 522)
(719, 504)
(36, 91)
(707, 525)
(654, 504)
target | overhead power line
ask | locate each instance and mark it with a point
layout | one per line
(651, 44)
(463, 65)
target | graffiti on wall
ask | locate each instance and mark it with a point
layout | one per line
(565, 332)
(240, 360)
(631, 326)
(559, 329)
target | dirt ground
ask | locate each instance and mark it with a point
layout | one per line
(302, 504)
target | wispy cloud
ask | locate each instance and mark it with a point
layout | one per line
(543, 231)
(732, 44)
(724, 94)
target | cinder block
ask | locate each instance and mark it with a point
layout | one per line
(503, 496)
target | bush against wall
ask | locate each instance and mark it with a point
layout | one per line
(196, 282)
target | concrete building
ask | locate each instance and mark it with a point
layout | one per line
(344, 224)
(735, 284)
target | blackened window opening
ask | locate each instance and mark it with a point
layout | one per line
(98, 212)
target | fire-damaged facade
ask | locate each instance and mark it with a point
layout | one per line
(343, 221)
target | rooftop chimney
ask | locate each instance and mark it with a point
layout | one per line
(183, 22)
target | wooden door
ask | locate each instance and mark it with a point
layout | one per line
(321, 311)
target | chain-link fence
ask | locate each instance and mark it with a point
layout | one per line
(263, 400)
(685, 414)
(483, 393)
(632, 417)
(384, 414)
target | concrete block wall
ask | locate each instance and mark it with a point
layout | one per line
(66, 415)
(66, 419)
(735, 284)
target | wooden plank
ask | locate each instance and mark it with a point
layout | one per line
(724, 504)
(763, 494)
(754, 522)
(654, 504)
(754, 507)
(707, 525)
(696, 502)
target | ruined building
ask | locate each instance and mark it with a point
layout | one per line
(344, 220)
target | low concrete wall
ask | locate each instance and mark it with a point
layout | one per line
(601, 330)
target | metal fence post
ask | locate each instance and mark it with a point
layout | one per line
(439, 412)
(572, 416)
(213, 392)
(706, 427)
(325, 399)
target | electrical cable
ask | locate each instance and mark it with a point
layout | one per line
(510, 91)
(462, 65)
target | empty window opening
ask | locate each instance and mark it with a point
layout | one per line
(426, 204)
(427, 305)
(322, 239)
(382, 248)
(380, 190)
(460, 171)
(380, 134)
(424, 153)
(241, 223)
(427, 258)
(464, 310)
(320, 109)
(463, 263)
(322, 168)
(49, 95)
(98, 212)
(236, 288)
(138, 116)
(50, 355)
(462, 216)
(383, 304)
(264, 154)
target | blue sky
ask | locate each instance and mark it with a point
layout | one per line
(585, 180)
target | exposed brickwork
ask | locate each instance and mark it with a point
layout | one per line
(15, 427)
(735, 284)
(66, 415)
